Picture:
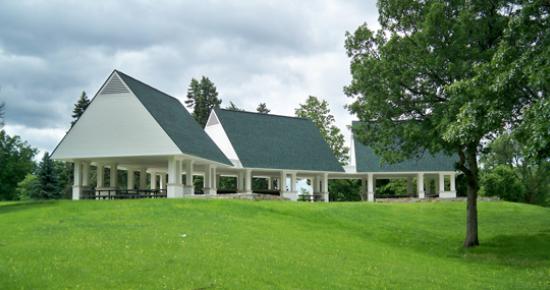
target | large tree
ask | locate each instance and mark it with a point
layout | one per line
(437, 77)
(80, 106)
(318, 111)
(202, 96)
(16, 161)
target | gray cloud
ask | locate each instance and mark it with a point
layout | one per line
(277, 52)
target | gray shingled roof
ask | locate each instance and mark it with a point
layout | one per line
(176, 121)
(367, 161)
(277, 142)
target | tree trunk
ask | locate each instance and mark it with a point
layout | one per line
(471, 209)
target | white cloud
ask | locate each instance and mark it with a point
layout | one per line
(278, 52)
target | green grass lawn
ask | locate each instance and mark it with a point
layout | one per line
(204, 244)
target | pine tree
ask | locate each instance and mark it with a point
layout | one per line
(202, 96)
(47, 175)
(262, 108)
(233, 107)
(318, 111)
(80, 106)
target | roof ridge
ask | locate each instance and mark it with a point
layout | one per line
(153, 88)
(264, 114)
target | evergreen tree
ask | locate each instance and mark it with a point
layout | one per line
(446, 75)
(262, 108)
(80, 106)
(233, 107)
(318, 111)
(202, 96)
(47, 175)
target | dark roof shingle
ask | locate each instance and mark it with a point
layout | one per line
(277, 142)
(367, 161)
(176, 121)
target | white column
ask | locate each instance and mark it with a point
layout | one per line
(174, 188)
(162, 179)
(240, 182)
(77, 177)
(420, 185)
(153, 180)
(189, 188)
(100, 172)
(85, 174)
(142, 178)
(324, 187)
(130, 179)
(293, 182)
(248, 181)
(282, 182)
(113, 177)
(452, 190)
(209, 180)
(410, 188)
(316, 184)
(371, 186)
(215, 179)
(269, 183)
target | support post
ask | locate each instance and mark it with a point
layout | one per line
(248, 181)
(162, 179)
(113, 176)
(153, 180)
(100, 172)
(282, 182)
(209, 180)
(292, 194)
(174, 188)
(269, 183)
(77, 177)
(189, 188)
(85, 174)
(420, 185)
(324, 187)
(371, 186)
(240, 182)
(142, 178)
(215, 179)
(293, 182)
(130, 179)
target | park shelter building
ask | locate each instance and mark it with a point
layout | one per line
(130, 126)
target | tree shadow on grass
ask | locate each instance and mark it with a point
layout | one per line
(530, 250)
(25, 205)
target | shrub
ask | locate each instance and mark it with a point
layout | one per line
(28, 188)
(502, 181)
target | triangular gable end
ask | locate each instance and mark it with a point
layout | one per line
(115, 124)
(215, 131)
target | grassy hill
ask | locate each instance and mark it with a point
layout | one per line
(204, 244)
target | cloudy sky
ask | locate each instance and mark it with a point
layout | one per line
(277, 52)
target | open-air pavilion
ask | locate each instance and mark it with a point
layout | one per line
(132, 127)
(427, 175)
